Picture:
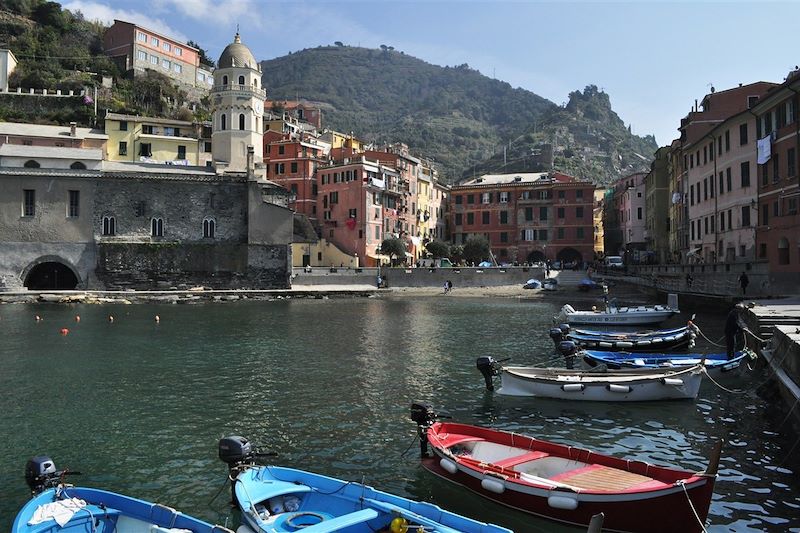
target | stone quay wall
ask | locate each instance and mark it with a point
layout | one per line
(418, 277)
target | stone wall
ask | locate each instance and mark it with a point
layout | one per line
(31, 108)
(417, 277)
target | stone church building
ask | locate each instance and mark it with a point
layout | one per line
(71, 219)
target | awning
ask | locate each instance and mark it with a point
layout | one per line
(380, 257)
(693, 252)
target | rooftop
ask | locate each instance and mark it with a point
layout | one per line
(21, 129)
(50, 152)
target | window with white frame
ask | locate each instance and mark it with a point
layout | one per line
(486, 198)
(504, 197)
(157, 227)
(528, 234)
(167, 47)
(154, 60)
(209, 228)
(141, 36)
(153, 41)
(141, 55)
(177, 68)
(178, 51)
(165, 63)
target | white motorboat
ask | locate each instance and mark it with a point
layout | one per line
(615, 315)
(630, 385)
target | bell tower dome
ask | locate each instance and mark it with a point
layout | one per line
(237, 104)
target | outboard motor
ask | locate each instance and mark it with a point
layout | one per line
(424, 416)
(568, 349)
(565, 329)
(239, 454)
(556, 335)
(41, 474)
(489, 367)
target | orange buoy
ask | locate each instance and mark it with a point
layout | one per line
(64, 331)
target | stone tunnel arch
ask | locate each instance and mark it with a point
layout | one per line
(535, 256)
(50, 273)
(569, 254)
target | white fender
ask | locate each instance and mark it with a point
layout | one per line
(448, 465)
(644, 342)
(676, 382)
(624, 344)
(572, 387)
(619, 388)
(492, 484)
(563, 502)
(605, 344)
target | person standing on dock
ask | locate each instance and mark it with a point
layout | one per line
(744, 281)
(734, 326)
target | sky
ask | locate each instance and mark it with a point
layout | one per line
(653, 58)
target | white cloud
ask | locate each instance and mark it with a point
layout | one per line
(220, 12)
(107, 15)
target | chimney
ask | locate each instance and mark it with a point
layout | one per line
(250, 164)
(73, 129)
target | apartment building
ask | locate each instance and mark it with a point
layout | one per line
(526, 217)
(157, 140)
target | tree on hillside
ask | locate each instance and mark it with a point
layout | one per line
(339, 43)
(438, 249)
(203, 54)
(394, 248)
(476, 249)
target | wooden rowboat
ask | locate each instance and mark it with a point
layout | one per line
(645, 341)
(715, 363)
(565, 483)
(634, 385)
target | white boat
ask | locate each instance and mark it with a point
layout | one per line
(619, 315)
(630, 385)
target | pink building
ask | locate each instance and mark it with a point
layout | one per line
(712, 145)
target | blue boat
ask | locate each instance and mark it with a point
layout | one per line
(716, 363)
(275, 499)
(660, 340)
(57, 507)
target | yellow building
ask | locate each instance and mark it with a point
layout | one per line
(157, 140)
(597, 220)
(342, 140)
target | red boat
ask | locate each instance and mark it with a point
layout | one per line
(565, 483)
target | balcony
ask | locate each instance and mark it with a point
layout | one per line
(247, 90)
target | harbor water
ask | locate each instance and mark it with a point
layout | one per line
(138, 406)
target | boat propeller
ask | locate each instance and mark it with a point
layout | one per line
(424, 416)
(490, 367)
(41, 474)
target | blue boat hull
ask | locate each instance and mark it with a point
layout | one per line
(106, 512)
(651, 341)
(276, 499)
(714, 362)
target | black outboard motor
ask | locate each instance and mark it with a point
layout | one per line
(424, 416)
(40, 474)
(565, 329)
(568, 349)
(556, 335)
(489, 367)
(239, 454)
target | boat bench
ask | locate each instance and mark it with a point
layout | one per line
(602, 478)
(344, 521)
(519, 459)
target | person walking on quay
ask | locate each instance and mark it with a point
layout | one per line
(744, 281)
(689, 280)
(734, 325)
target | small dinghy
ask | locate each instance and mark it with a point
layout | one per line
(634, 385)
(59, 507)
(615, 315)
(566, 483)
(715, 363)
(276, 500)
(644, 341)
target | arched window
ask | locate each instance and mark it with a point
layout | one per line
(77, 165)
(224, 80)
(157, 227)
(222, 121)
(241, 80)
(241, 121)
(109, 225)
(783, 251)
(30, 163)
(209, 228)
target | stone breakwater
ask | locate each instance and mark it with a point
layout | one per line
(179, 297)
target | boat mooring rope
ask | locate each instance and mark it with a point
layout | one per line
(705, 371)
(691, 505)
(700, 331)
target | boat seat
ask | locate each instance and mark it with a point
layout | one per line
(451, 439)
(603, 479)
(519, 459)
(343, 522)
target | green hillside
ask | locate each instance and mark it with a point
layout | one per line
(457, 116)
